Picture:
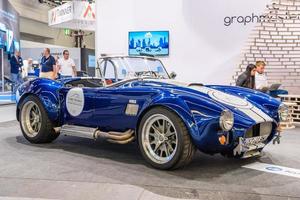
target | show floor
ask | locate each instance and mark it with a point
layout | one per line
(76, 168)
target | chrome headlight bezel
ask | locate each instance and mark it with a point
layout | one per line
(283, 112)
(226, 120)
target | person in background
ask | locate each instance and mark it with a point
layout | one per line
(260, 77)
(247, 79)
(261, 81)
(48, 65)
(16, 63)
(66, 65)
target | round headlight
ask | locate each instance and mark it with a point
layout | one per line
(283, 112)
(226, 120)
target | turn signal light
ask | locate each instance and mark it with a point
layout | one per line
(222, 140)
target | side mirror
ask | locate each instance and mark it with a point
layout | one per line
(173, 75)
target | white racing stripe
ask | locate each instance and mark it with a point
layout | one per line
(275, 169)
(241, 104)
(261, 113)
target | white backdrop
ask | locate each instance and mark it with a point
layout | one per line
(202, 48)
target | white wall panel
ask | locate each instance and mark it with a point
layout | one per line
(202, 48)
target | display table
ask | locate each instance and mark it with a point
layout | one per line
(293, 103)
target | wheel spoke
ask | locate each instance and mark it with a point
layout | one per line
(166, 150)
(152, 134)
(39, 124)
(169, 147)
(164, 126)
(157, 146)
(169, 133)
(33, 114)
(156, 130)
(33, 123)
(161, 153)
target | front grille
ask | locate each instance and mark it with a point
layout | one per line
(261, 129)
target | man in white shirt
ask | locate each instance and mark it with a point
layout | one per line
(261, 81)
(66, 65)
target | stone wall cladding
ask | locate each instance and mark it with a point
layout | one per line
(276, 40)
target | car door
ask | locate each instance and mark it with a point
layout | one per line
(78, 105)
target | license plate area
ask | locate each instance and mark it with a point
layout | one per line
(254, 140)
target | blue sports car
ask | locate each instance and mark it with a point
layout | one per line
(135, 99)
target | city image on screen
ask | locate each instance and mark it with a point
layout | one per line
(154, 43)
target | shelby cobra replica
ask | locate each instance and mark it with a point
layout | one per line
(136, 99)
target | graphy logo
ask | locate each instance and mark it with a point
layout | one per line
(275, 13)
(229, 20)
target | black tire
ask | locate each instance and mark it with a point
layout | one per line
(185, 148)
(46, 133)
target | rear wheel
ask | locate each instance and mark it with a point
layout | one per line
(164, 139)
(35, 124)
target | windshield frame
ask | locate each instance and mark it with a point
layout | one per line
(110, 60)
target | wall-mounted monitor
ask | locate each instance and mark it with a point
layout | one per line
(10, 41)
(3, 39)
(155, 43)
(91, 61)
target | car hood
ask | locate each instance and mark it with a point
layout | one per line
(242, 102)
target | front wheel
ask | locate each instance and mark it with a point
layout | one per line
(35, 124)
(164, 139)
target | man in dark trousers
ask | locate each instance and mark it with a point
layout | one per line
(16, 63)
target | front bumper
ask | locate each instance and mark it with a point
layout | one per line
(249, 147)
(252, 146)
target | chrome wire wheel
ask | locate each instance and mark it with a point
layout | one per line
(31, 119)
(159, 138)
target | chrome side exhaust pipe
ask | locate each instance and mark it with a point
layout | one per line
(115, 137)
(94, 133)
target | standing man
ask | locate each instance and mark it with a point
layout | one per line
(48, 65)
(16, 63)
(66, 65)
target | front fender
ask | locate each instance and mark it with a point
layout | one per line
(176, 105)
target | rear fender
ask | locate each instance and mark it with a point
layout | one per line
(47, 91)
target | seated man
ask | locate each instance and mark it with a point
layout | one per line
(261, 82)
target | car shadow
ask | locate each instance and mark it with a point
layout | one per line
(203, 169)
(130, 154)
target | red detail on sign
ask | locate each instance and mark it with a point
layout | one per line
(89, 9)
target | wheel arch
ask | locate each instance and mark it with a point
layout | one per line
(182, 113)
(49, 105)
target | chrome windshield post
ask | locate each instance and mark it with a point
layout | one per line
(99, 72)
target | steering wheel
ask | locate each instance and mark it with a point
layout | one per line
(147, 73)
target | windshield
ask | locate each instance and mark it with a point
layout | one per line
(132, 67)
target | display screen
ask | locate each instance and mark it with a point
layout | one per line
(91, 61)
(9, 27)
(154, 43)
(16, 46)
(2, 38)
(10, 41)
